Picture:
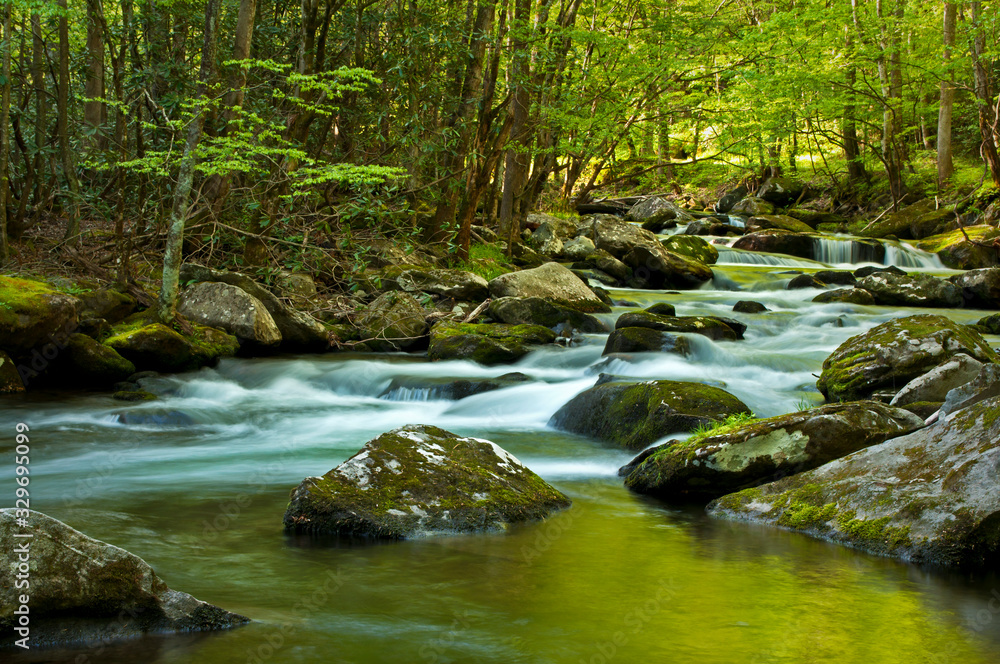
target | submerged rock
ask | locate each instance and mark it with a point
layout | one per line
(917, 290)
(421, 480)
(232, 309)
(86, 591)
(536, 311)
(32, 313)
(634, 415)
(550, 281)
(485, 343)
(758, 452)
(894, 353)
(846, 296)
(644, 339)
(416, 389)
(932, 496)
(712, 327)
(749, 307)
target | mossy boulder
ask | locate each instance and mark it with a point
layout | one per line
(932, 496)
(712, 327)
(232, 309)
(634, 415)
(816, 218)
(911, 290)
(578, 248)
(92, 364)
(454, 284)
(936, 383)
(420, 388)
(538, 311)
(897, 224)
(655, 267)
(32, 313)
(107, 303)
(644, 339)
(749, 307)
(718, 463)
(485, 343)
(780, 221)
(751, 206)
(10, 379)
(605, 262)
(846, 296)
(156, 347)
(552, 282)
(980, 288)
(421, 480)
(802, 281)
(691, 246)
(781, 190)
(772, 241)
(894, 353)
(990, 324)
(84, 591)
(394, 321)
(957, 252)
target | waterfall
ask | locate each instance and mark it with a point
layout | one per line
(905, 255)
(845, 251)
(729, 256)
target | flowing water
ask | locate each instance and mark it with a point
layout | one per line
(197, 483)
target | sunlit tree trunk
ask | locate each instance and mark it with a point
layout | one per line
(984, 95)
(945, 167)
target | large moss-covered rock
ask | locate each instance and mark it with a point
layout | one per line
(655, 267)
(232, 309)
(989, 324)
(634, 415)
(605, 262)
(92, 364)
(980, 289)
(86, 591)
(778, 242)
(751, 206)
(485, 343)
(299, 331)
(10, 379)
(898, 223)
(691, 246)
(421, 480)
(957, 252)
(916, 290)
(455, 284)
(536, 311)
(846, 296)
(156, 347)
(755, 453)
(552, 282)
(783, 222)
(932, 496)
(107, 303)
(712, 327)
(644, 339)
(420, 388)
(894, 353)
(394, 321)
(32, 313)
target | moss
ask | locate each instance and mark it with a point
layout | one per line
(873, 532)
(22, 297)
(937, 243)
(691, 246)
(802, 516)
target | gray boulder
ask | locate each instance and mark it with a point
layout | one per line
(485, 343)
(659, 208)
(980, 288)
(755, 453)
(455, 284)
(932, 496)
(536, 311)
(985, 385)
(936, 383)
(232, 309)
(578, 248)
(712, 327)
(87, 591)
(421, 480)
(917, 290)
(644, 339)
(634, 415)
(394, 321)
(550, 281)
(894, 353)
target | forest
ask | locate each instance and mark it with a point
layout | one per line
(282, 134)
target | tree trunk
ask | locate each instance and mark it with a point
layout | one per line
(69, 167)
(984, 96)
(41, 106)
(945, 167)
(516, 161)
(5, 134)
(182, 194)
(95, 108)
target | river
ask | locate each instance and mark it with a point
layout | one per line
(196, 484)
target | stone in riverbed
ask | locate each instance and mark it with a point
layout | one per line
(656, 207)
(643, 339)
(751, 206)
(455, 284)
(980, 288)
(232, 309)
(605, 262)
(749, 307)
(758, 452)
(10, 379)
(985, 385)
(84, 591)
(578, 248)
(444, 388)
(918, 290)
(936, 383)
(92, 364)
(634, 415)
(801, 245)
(932, 496)
(804, 281)
(990, 324)
(894, 353)
(156, 347)
(712, 327)
(550, 281)
(537, 311)
(779, 221)
(394, 321)
(847, 296)
(837, 277)
(32, 313)
(692, 247)
(485, 343)
(421, 480)
(956, 252)
(655, 267)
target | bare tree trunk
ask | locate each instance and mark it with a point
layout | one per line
(95, 109)
(516, 166)
(175, 237)
(69, 167)
(41, 105)
(945, 167)
(852, 150)
(984, 96)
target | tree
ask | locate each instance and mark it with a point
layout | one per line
(945, 165)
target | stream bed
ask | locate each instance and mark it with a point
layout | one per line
(196, 484)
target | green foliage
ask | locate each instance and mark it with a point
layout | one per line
(488, 261)
(731, 423)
